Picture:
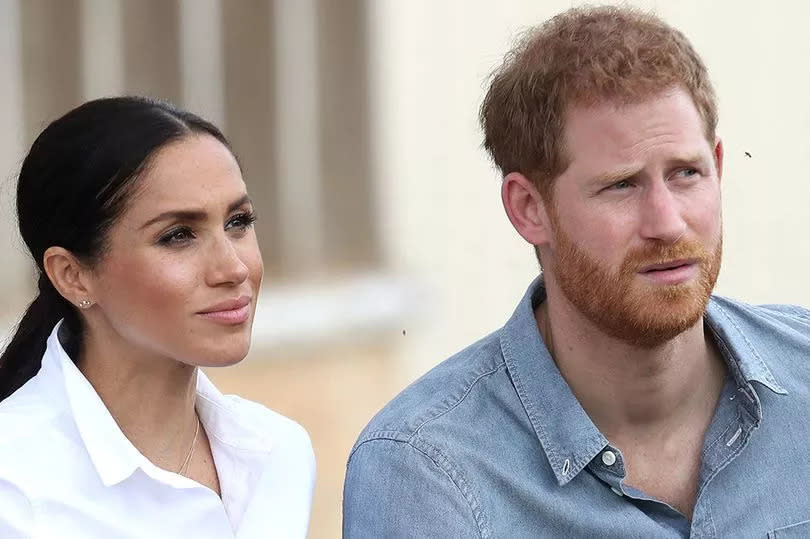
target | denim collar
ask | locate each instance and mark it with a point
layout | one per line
(568, 436)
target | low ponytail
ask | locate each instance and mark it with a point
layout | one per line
(22, 358)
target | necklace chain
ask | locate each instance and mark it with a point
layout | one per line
(186, 462)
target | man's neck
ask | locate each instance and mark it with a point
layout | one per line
(628, 391)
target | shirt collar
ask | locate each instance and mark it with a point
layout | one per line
(246, 428)
(112, 454)
(568, 436)
(734, 329)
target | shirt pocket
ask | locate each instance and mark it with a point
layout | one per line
(800, 529)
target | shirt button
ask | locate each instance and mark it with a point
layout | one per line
(609, 458)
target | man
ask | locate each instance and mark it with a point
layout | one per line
(621, 399)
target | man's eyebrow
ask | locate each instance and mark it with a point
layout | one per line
(616, 175)
(690, 159)
(192, 214)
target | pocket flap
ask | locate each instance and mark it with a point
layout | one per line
(798, 530)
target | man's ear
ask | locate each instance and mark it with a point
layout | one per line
(68, 275)
(718, 157)
(526, 208)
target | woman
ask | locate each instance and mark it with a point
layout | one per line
(139, 222)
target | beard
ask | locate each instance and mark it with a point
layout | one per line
(623, 304)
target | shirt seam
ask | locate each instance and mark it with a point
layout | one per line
(722, 437)
(711, 528)
(443, 463)
(797, 311)
(745, 437)
(460, 400)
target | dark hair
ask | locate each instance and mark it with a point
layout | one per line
(73, 185)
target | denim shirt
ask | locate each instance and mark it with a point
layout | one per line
(493, 443)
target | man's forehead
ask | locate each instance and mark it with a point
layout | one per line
(611, 127)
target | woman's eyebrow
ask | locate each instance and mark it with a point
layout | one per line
(192, 214)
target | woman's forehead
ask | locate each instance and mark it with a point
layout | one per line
(193, 170)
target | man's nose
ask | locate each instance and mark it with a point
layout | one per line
(661, 215)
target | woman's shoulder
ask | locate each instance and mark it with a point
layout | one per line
(279, 428)
(26, 413)
(33, 437)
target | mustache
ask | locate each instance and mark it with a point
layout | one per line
(659, 253)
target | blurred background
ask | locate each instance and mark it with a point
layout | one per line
(380, 219)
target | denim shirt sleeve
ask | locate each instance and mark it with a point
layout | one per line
(396, 488)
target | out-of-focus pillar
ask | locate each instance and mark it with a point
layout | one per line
(15, 285)
(201, 59)
(350, 227)
(297, 132)
(102, 48)
(248, 88)
(51, 76)
(151, 52)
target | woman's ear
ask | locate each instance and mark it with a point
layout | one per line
(68, 276)
(526, 208)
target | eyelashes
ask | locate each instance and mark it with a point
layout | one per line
(241, 220)
(183, 234)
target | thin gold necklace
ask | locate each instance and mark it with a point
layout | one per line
(186, 462)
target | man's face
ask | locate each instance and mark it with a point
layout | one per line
(636, 218)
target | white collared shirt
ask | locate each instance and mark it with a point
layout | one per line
(67, 470)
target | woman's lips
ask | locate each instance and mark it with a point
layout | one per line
(230, 312)
(232, 316)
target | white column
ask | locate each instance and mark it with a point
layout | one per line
(102, 54)
(201, 59)
(15, 267)
(297, 132)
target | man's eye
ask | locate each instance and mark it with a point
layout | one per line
(619, 186)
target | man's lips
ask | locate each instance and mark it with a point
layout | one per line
(673, 272)
(671, 265)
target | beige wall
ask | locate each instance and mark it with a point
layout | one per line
(440, 205)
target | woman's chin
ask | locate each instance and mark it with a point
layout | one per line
(222, 356)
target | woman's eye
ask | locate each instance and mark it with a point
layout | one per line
(241, 221)
(177, 237)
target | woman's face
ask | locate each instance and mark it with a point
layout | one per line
(182, 270)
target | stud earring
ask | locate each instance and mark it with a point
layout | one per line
(85, 303)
